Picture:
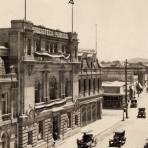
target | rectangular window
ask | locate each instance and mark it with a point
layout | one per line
(4, 103)
(63, 48)
(29, 47)
(76, 119)
(69, 120)
(38, 45)
(30, 138)
(55, 48)
(84, 85)
(89, 85)
(47, 46)
(75, 51)
(98, 84)
(40, 130)
(51, 47)
(79, 85)
(94, 84)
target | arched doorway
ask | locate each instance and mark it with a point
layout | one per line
(5, 141)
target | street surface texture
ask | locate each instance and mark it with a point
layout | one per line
(136, 128)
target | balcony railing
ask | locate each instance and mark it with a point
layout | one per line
(6, 116)
(8, 76)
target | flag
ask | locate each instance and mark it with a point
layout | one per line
(71, 2)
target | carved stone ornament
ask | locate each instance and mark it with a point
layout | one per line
(31, 113)
(76, 104)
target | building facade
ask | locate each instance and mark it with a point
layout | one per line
(114, 95)
(8, 109)
(90, 87)
(47, 68)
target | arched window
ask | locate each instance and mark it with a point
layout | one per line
(52, 88)
(5, 141)
(37, 92)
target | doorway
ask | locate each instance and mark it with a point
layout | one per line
(56, 127)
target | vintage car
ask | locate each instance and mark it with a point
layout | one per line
(146, 144)
(133, 103)
(141, 113)
(118, 139)
(87, 141)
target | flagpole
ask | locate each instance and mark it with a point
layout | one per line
(96, 30)
(72, 3)
(72, 18)
(25, 10)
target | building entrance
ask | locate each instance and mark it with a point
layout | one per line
(56, 127)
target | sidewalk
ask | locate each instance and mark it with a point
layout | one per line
(110, 119)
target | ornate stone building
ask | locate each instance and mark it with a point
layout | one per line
(90, 87)
(8, 100)
(47, 71)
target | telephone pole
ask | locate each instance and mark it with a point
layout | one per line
(126, 100)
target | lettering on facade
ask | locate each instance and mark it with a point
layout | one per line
(48, 32)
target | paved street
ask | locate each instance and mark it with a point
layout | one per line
(136, 129)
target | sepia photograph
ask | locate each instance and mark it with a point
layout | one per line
(74, 74)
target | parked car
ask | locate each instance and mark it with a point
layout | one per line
(133, 103)
(88, 141)
(118, 139)
(141, 113)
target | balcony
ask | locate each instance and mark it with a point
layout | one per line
(8, 77)
(6, 116)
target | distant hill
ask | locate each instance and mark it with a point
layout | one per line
(136, 60)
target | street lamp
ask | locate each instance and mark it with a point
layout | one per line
(72, 3)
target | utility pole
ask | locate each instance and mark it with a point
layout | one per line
(126, 100)
(96, 30)
(72, 3)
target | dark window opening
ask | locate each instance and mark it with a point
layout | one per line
(55, 48)
(38, 45)
(29, 47)
(79, 85)
(47, 46)
(76, 120)
(30, 138)
(53, 88)
(37, 92)
(51, 47)
(84, 85)
(89, 85)
(69, 120)
(63, 48)
(75, 51)
(40, 132)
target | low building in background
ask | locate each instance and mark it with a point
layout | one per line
(114, 94)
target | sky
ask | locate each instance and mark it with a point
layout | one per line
(122, 25)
